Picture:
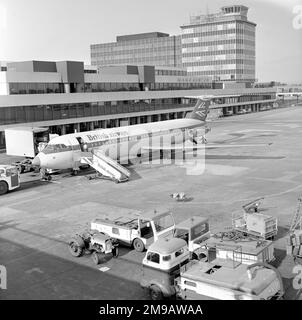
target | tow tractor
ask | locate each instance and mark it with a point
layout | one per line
(96, 243)
(9, 178)
(139, 230)
(169, 272)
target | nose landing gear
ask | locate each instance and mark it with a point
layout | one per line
(45, 175)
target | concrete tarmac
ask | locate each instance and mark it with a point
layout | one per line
(37, 220)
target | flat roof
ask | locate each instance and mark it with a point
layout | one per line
(167, 245)
(27, 128)
(129, 216)
(139, 36)
(230, 278)
(190, 222)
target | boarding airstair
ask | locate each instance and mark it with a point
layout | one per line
(106, 166)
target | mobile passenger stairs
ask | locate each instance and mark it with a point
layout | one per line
(106, 167)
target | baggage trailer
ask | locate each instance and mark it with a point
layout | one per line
(250, 250)
(139, 230)
(255, 224)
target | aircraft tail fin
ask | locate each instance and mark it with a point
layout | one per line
(201, 110)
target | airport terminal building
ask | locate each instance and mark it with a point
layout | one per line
(152, 48)
(66, 96)
(219, 46)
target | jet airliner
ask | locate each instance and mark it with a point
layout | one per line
(102, 148)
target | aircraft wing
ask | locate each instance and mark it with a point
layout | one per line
(202, 146)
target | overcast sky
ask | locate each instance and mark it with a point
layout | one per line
(64, 29)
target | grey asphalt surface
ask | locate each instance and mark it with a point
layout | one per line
(37, 220)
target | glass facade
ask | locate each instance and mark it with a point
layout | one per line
(23, 114)
(39, 88)
(170, 72)
(34, 88)
(220, 46)
(160, 51)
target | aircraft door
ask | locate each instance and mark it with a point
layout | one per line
(83, 144)
(76, 151)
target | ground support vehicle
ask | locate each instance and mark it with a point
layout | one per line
(167, 260)
(9, 178)
(294, 238)
(24, 166)
(222, 279)
(254, 223)
(194, 231)
(139, 230)
(161, 265)
(224, 246)
(96, 243)
(294, 244)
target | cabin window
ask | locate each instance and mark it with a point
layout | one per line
(199, 230)
(115, 231)
(179, 252)
(167, 258)
(153, 257)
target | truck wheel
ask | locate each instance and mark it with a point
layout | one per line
(96, 257)
(202, 257)
(75, 249)
(138, 245)
(3, 187)
(194, 256)
(156, 293)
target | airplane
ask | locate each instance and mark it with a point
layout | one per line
(102, 149)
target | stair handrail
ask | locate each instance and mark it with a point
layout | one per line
(114, 164)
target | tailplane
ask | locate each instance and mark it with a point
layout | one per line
(201, 110)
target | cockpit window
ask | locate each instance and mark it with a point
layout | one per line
(53, 148)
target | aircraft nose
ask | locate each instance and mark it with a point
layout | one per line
(36, 161)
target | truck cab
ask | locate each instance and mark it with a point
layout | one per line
(194, 231)
(161, 265)
(9, 178)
